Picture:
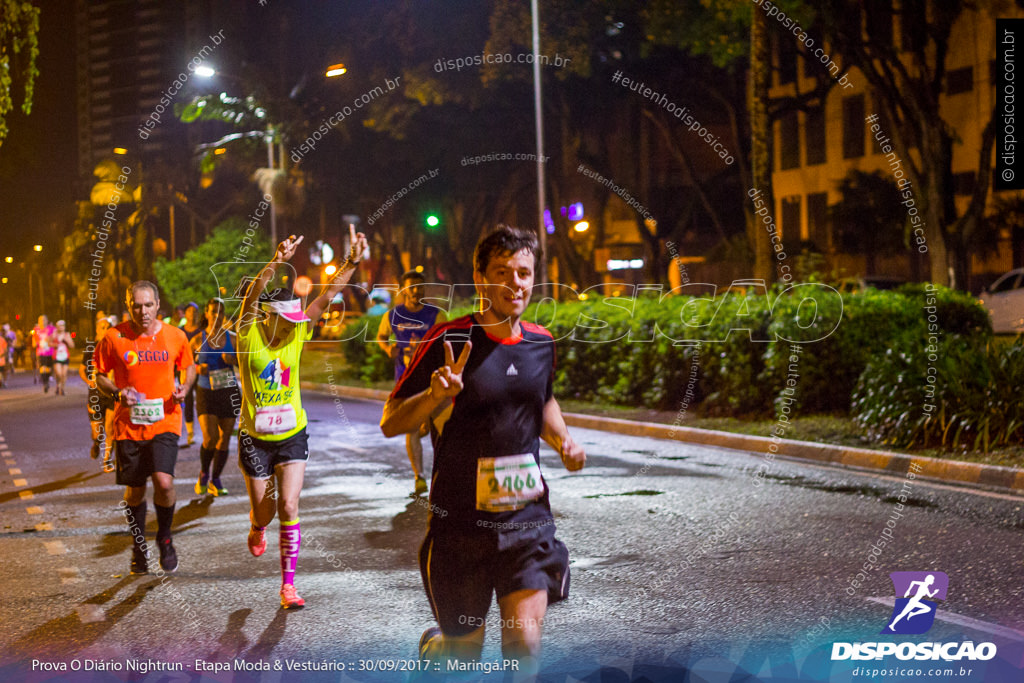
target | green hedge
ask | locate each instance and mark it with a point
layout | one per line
(959, 392)
(639, 351)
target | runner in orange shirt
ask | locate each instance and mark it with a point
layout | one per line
(144, 355)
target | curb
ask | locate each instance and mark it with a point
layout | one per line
(978, 475)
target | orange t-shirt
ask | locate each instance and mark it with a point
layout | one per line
(149, 364)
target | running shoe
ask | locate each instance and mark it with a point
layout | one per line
(140, 561)
(168, 556)
(216, 489)
(201, 484)
(289, 598)
(429, 636)
(257, 540)
(421, 486)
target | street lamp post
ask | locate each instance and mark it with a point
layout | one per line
(209, 72)
(542, 275)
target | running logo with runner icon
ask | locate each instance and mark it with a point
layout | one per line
(916, 596)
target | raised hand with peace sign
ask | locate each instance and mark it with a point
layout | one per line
(446, 381)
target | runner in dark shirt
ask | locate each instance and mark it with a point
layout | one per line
(491, 529)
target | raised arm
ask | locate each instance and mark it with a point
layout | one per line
(405, 415)
(285, 251)
(359, 246)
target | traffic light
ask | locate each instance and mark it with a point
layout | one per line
(432, 220)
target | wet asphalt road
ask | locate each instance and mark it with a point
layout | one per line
(677, 554)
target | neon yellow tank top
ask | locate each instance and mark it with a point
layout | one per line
(270, 381)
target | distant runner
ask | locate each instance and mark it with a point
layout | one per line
(408, 322)
(217, 399)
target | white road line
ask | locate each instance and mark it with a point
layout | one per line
(13, 471)
(90, 613)
(26, 495)
(43, 526)
(70, 575)
(34, 510)
(21, 482)
(983, 626)
(55, 547)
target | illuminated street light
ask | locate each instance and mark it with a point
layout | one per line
(331, 269)
(4, 281)
(335, 70)
(9, 259)
(38, 247)
(582, 226)
(120, 150)
(205, 71)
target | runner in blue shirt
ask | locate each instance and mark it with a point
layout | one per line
(408, 323)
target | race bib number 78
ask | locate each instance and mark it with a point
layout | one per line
(507, 483)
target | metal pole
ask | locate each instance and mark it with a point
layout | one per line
(171, 218)
(270, 164)
(542, 274)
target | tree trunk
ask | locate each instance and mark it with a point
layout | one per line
(760, 144)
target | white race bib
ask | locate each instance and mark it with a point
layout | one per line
(507, 483)
(148, 411)
(62, 353)
(275, 419)
(222, 379)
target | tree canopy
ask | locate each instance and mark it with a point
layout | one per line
(19, 48)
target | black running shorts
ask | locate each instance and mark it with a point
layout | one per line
(461, 571)
(258, 458)
(221, 403)
(138, 460)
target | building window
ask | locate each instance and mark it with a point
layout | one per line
(814, 136)
(789, 141)
(785, 50)
(913, 19)
(853, 126)
(812, 63)
(790, 227)
(878, 17)
(960, 80)
(963, 183)
(817, 220)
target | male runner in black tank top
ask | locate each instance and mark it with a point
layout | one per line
(485, 381)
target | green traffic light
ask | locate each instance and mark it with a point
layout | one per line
(433, 221)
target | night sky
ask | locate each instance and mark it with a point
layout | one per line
(39, 156)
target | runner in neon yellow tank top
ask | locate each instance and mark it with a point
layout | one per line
(272, 440)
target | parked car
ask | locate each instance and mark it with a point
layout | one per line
(1004, 300)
